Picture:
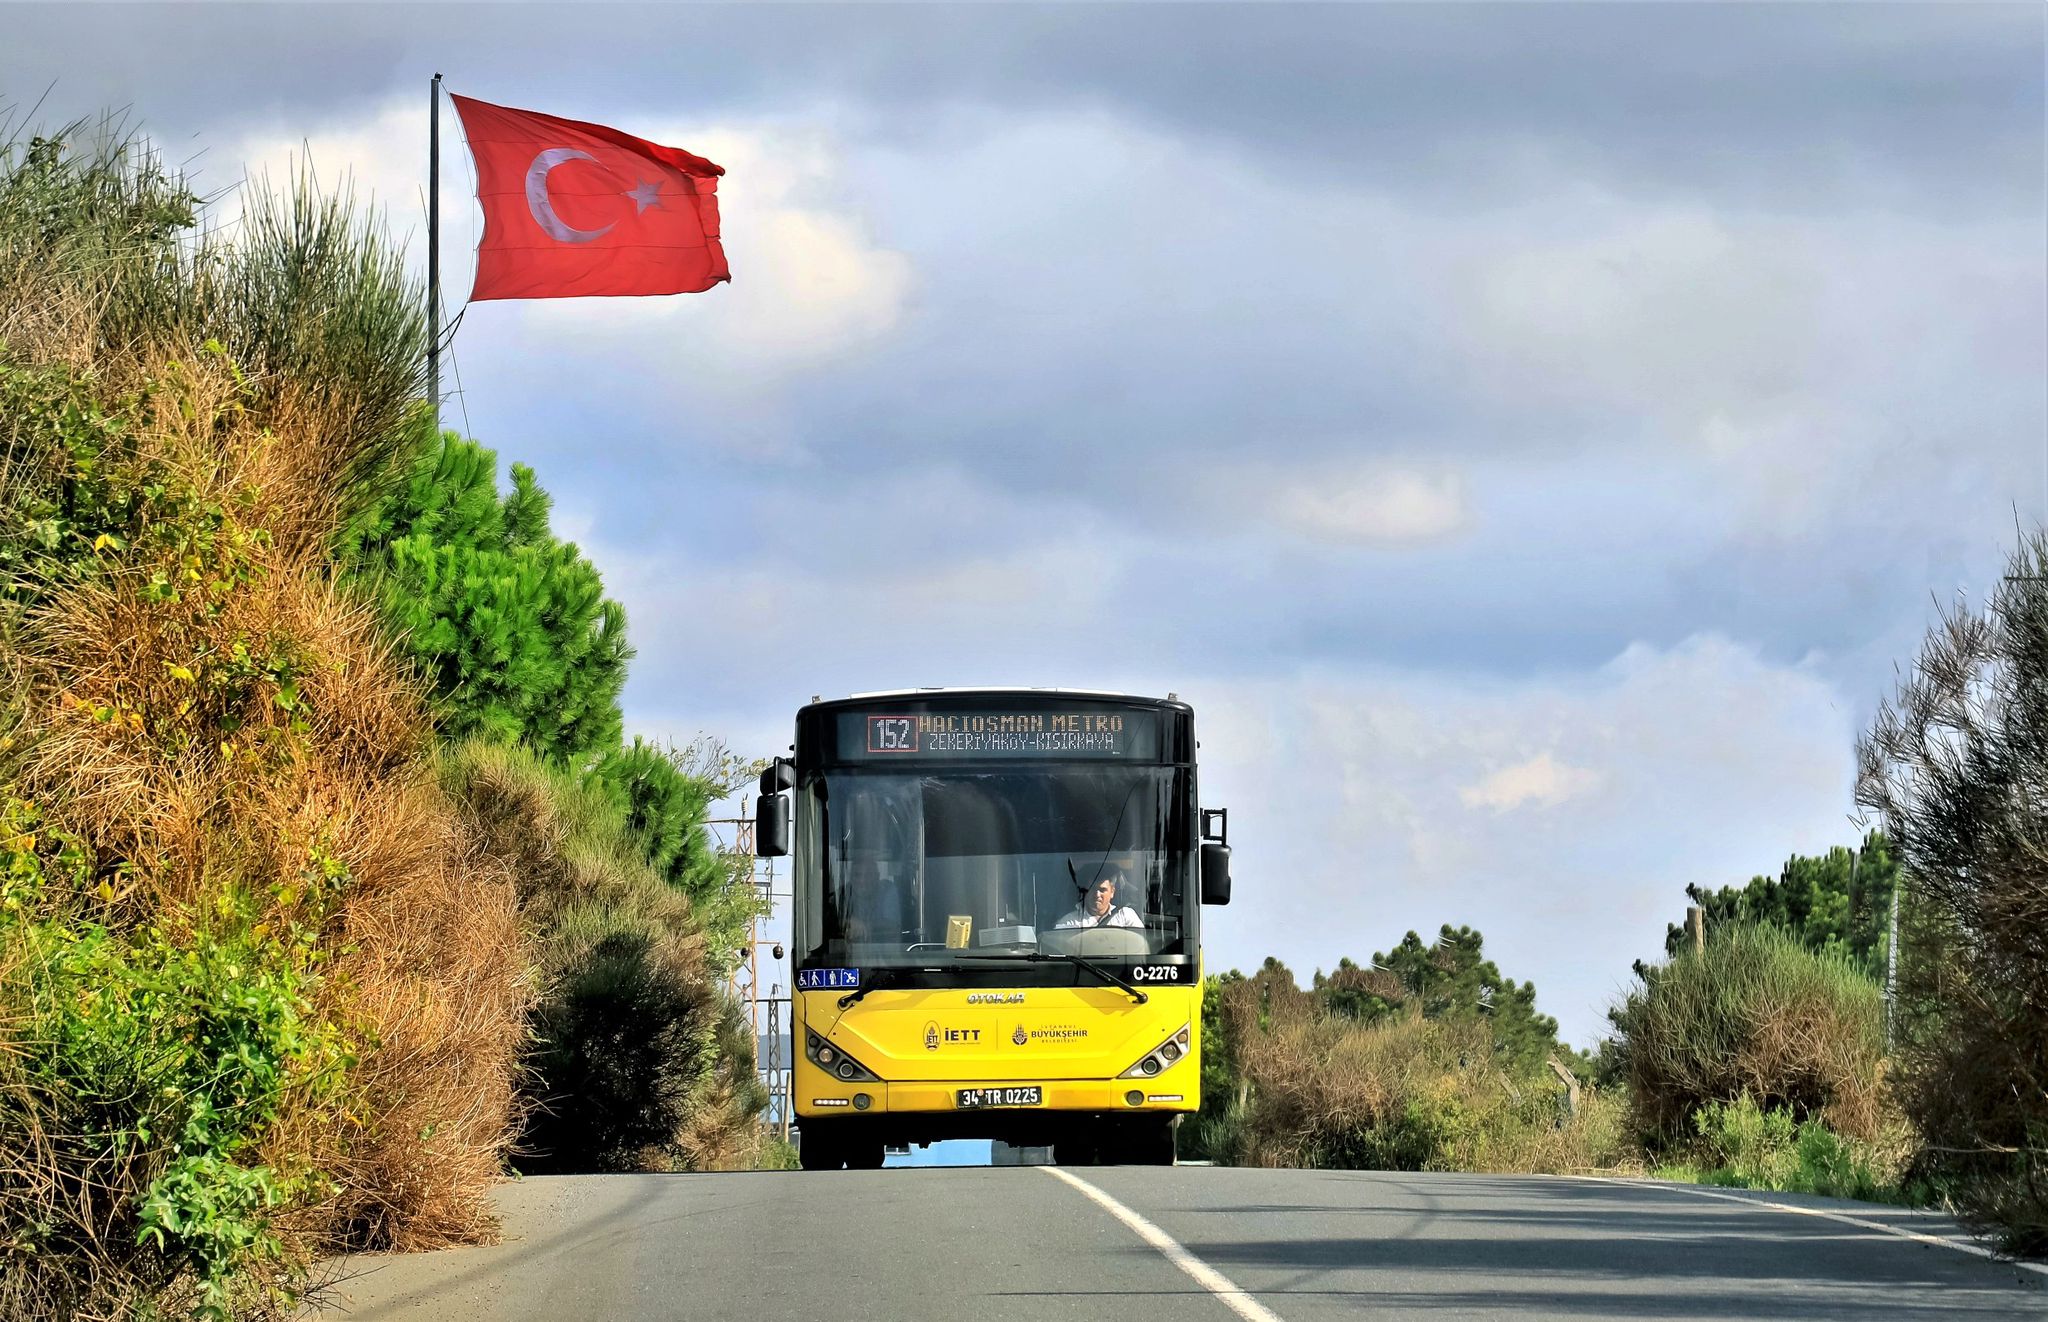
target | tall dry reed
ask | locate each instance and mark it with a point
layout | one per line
(231, 753)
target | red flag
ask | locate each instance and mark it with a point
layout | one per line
(573, 209)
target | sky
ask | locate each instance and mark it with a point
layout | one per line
(1532, 437)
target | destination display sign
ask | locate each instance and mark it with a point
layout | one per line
(882, 734)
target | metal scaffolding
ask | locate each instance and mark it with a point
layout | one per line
(734, 837)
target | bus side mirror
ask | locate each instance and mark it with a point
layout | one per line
(1215, 872)
(780, 775)
(771, 826)
(1215, 855)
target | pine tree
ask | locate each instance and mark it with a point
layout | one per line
(664, 796)
(1837, 902)
(1450, 978)
(509, 623)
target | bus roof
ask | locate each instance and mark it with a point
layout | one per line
(1171, 699)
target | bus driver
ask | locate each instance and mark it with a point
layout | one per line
(1098, 907)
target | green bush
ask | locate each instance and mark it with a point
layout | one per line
(618, 1054)
(778, 1154)
(639, 1060)
(664, 796)
(157, 1059)
(1756, 1014)
(1212, 1134)
(1742, 1145)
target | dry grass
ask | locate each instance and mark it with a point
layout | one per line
(640, 1061)
(434, 967)
(1758, 1015)
(1404, 1093)
(222, 726)
(428, 973)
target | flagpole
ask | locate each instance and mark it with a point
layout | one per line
(434, 254)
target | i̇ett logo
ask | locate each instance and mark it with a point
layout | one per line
(931, 1036)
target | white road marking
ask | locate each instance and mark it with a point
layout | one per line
(1943, 1241)
(1215, 1282)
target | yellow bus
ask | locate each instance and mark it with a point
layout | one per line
(997, 921)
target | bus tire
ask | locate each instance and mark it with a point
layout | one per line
(818, 1149)
(1077, 1149)
(1153, 1144)
(864, 1154)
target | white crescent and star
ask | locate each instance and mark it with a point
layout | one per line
(645, 194)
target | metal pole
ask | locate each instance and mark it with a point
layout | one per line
(1891, 963)
(434, 254)
(778, 1099)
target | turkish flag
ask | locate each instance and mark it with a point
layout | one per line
(574, 209)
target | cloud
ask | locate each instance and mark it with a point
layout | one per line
(377, 154)
(1378, 505)
(1352, 805)
(1922, 107)
(811, 283)
(1541, 780)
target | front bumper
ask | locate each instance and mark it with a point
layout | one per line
(818, 1096)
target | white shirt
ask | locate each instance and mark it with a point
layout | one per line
(1120, 916)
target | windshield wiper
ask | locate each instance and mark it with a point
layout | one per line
(871, 980)
(1047, 957)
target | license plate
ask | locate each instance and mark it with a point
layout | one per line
(975, 1098)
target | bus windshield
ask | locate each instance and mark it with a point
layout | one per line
(938, 866)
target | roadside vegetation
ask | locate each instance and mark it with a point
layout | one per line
(1424, 1059)
(1752, 1015)
(1957, 768)
(277, 978)
(638, 1061)
(1759, 1059)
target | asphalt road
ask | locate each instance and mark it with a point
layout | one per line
(1018, 1242)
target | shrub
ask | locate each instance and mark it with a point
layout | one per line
(639, 1061)
(778, 1154)
(1957, 767)
(1754, 1014)
(1743, 1145)
(1400, 1093)
(255, 1000)
(155, 1061)
(665, 796)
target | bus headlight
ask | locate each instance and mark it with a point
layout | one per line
(836, 1062)
(1159, 1057)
